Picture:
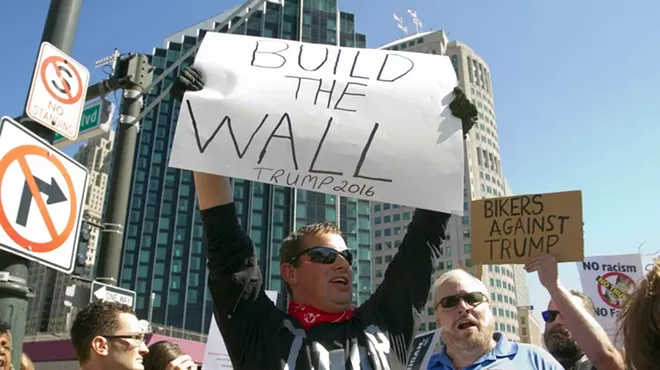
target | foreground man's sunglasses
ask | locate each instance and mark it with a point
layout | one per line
(549, 316)
(325, 255)
(472, 299)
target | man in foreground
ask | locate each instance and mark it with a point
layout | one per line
(320, 330)
(572, 334)
(108, 336)
(463, 313)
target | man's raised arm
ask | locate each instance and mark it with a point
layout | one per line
(396, 303)
(242, 309)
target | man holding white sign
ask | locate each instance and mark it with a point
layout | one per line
(320, 330)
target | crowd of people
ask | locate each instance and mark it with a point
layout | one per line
(109, 336)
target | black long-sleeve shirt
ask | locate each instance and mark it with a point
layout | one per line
(258, 335)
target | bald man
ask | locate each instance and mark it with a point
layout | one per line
(464, 316)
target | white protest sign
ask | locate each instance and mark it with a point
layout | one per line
(609, 281)
(216, 356)
(423, 346)
(364, 123)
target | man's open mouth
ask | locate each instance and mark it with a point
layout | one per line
(340, 280)
(466, 324)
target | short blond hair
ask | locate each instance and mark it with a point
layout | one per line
(454, 275)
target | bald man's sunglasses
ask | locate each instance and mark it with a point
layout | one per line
(550, 315)
(324, 255)
(471, 299)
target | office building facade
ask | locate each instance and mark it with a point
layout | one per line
(47, 312)
(530, 329)
(483, 178)
(163, 249)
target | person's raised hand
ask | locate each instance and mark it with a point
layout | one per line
(183, 362)
(461, 107)
(190, 79)
(546, 267)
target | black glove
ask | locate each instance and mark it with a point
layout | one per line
(190, 79)
(461, 107)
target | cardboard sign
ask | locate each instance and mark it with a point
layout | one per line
(513, 229)
(364, 123)
(609, 281)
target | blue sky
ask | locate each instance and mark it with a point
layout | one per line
(575, 84)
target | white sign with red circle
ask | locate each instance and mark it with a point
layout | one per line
(42, 197)
(609, 281)
(58, 90)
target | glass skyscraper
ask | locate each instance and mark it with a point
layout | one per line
(163, 249)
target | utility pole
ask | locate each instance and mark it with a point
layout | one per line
(60, 30)
(139, 75)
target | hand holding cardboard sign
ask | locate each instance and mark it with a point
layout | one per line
(546, 266)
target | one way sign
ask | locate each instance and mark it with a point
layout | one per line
(42, 194)
(105, 292)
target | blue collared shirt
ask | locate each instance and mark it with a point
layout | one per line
(505, 356)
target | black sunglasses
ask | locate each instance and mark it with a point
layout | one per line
(324, 255)
(472, 299)
(550, 315)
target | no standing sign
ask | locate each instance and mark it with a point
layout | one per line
(58, 90)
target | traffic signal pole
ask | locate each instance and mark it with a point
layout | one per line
(139, 74)
(60, 30)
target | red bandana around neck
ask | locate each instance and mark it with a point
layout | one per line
(310, 316)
